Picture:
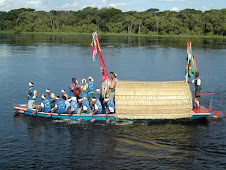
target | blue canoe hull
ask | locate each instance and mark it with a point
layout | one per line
(22, 109)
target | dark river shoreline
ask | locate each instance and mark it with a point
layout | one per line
(50, 61)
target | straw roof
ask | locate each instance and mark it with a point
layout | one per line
(153, 100)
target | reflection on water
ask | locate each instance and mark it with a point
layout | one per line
(28, 39)
(50, 61)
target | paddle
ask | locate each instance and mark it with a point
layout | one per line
(107, 118)
(80, 118)
(69, 116)
(93, 118)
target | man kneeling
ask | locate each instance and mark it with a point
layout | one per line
(85, 108)
(59, 106)
(45, 105)
(110, 106)
(97, 106)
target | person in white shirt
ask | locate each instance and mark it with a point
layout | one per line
(197, 81)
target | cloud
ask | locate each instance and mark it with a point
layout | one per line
(116, 5)
(175, 9)
(37, 4)
(6, 5)
(74, 6)
(171, 0)
(208, 7)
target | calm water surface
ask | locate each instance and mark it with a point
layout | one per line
(50, 61)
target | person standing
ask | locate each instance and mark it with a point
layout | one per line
(90, 89)
(72, 87)
(113, 85)
(31, 96)
(84, 89)
(197, 81)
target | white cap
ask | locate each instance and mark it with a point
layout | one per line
(31, 84)
(73, 98)
(57, 97)
(94, 99)
(83, 80)
(90, 78)
(47, 90)
(97, 89)
(43, 97)
(106, 99)
(62, 91)
(80, 100)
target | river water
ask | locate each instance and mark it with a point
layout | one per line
(50, 61)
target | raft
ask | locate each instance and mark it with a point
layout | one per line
(142, 100)
(153, 100)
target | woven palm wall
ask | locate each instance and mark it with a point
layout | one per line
(153, 100)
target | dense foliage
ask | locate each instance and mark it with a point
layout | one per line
(111, 20)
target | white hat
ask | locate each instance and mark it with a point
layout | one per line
(94, 99)
(31, 84)
(83, 80)
(115, 74)
(73, 98)
(57, 97)
(43, 97)
(62, 91)
(97, 89)
(90, 78)
(47, 90)
(106, 99)
(80, 100)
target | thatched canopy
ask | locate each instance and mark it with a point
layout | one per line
(153, 100)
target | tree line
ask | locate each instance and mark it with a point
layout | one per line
(111, 20)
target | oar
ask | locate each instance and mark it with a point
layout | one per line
(69, 119)
(93, 119)
(107, 118)
(80, 118)
(50, 115)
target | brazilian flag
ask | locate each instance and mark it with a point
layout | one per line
(191, 66)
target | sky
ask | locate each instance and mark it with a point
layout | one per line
(124, 5)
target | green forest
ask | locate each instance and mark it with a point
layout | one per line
(111, 20)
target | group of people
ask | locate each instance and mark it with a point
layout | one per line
(80, 98)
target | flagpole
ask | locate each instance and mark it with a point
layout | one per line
(186, 76)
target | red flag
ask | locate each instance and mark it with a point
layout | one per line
(95, 49)
(195, 62)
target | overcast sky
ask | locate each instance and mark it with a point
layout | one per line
(124, 5)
